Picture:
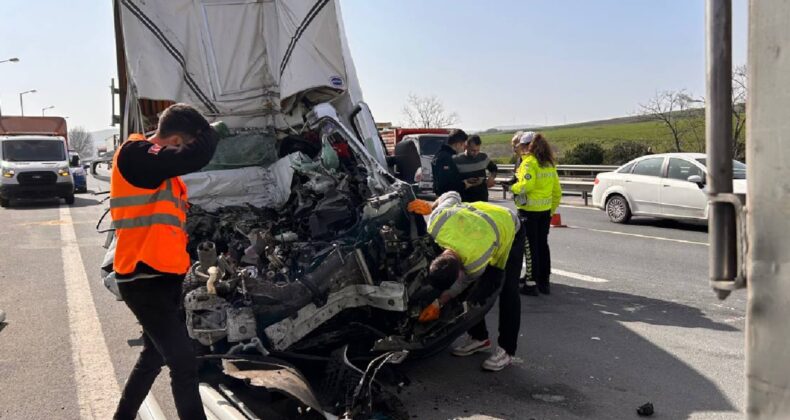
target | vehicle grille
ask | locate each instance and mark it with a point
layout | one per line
(37, 178)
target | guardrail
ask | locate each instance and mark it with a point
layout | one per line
(574, 179)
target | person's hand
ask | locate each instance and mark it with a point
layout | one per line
(431, 312)
(491, 182)
(472, 182)
(420, 207)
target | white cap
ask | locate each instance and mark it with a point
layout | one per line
(526, 138)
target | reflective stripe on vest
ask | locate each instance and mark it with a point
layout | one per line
(145, 221)
(523, 200)
(143, 199)
(448, 213)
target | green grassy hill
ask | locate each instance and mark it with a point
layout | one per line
(606, 133)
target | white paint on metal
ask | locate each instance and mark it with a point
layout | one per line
(150, 409)
(217, 406)
(97, 388)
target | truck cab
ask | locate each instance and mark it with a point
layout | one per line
(34, 167)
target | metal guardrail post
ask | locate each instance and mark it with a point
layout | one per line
(723, 250)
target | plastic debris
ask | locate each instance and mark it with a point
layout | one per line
(645, 410)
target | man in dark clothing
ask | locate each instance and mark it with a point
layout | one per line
(148, 207)
(472, 166)
(445, 173)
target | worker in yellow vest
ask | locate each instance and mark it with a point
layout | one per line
(482, 242)
(148, 204)
(537, 194)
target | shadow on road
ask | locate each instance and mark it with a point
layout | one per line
(578, 358)
(79, 201)
(693, 226)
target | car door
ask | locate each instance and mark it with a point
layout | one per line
(679, 196)
(643, 185)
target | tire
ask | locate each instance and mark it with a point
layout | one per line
(5, 202)
(69, 199)
(617, 209)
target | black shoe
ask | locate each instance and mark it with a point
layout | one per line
(544, 288)
(529, 290)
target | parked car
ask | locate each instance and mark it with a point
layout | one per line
(413, 157)
(670, 185)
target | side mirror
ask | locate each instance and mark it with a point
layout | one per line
(75, 162)
(697, 180)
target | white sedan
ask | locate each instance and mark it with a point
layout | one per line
(670, 185)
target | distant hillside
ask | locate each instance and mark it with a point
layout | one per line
(606, 133)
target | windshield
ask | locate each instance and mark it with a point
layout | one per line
(33, 150)
(738, 168)
(430, 145)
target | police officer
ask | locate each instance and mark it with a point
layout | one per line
(148, 203)
(445, 172)
(537, 194)
(482, 243)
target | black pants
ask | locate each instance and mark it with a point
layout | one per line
(155, 303)
(509, 300)
(536, 226)
(474, 194)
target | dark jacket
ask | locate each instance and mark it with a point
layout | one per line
(475, 167)
(445, 173)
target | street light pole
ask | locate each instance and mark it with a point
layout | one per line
(21, 104)
(44, 109)
(10, 60)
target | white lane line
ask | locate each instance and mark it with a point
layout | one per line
(97, 388)
(577, 276)
(579, 206)
(637, 235)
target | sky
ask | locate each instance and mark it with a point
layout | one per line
(494, 63)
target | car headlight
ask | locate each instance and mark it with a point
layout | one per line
(8, 173)
(64, 171)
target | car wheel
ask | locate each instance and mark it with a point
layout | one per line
(69, 199)
(617, 209)
(4, 202)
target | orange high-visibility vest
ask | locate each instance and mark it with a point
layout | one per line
(149, 223)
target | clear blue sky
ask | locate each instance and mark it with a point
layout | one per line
(493, 62)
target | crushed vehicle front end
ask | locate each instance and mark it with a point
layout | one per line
(307, 265)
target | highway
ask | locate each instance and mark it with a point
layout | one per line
(630, 320)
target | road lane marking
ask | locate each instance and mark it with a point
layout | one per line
(637, 235)
(579, 206)
(577, 276)
(97, 388)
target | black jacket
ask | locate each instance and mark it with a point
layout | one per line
(445, 173)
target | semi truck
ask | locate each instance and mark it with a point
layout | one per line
(34, 159)
(309, 272)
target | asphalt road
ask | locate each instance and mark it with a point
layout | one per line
(630, 320)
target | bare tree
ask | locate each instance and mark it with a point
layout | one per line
(427, 112)
(81, 142)
(670, 108)
(739, 95)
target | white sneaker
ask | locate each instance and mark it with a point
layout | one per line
(498, 361)
(471, 346)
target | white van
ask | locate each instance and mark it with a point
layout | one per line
(34, 167)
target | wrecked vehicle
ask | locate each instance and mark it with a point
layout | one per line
(309, 274)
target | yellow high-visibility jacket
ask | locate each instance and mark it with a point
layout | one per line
(537, 187)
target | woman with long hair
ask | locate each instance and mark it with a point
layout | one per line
(537, 195)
